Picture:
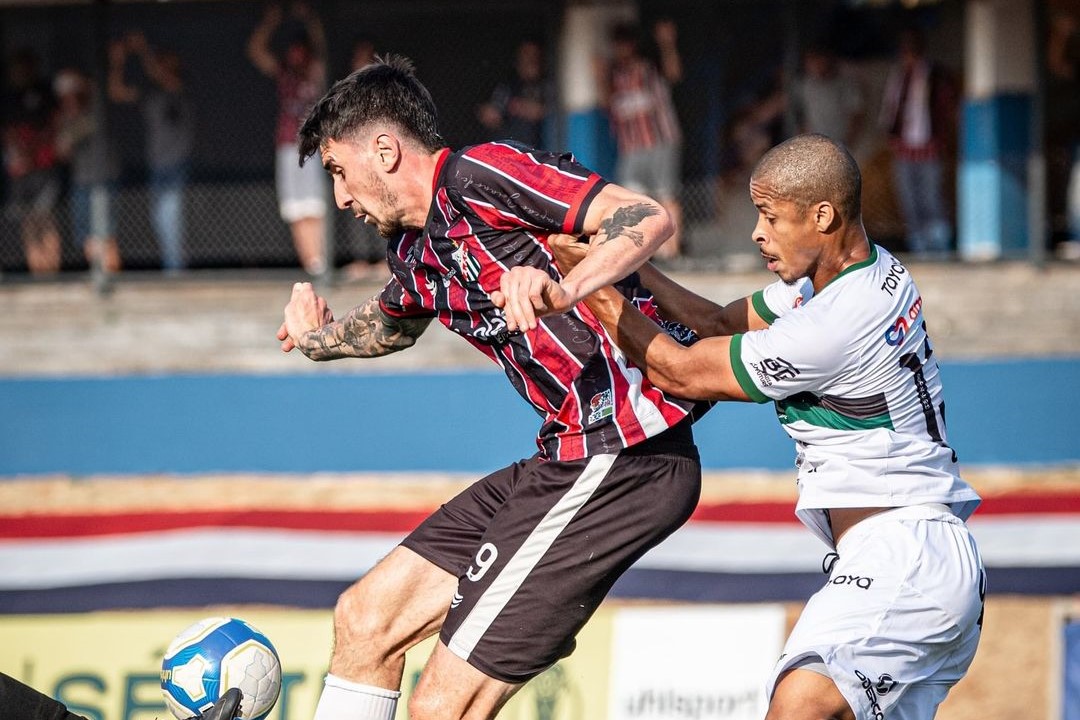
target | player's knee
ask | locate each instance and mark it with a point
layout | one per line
(424, 704)
(358, 623)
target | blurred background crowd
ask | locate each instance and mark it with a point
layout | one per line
(161, 136)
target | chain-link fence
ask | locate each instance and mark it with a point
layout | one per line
(220, 208)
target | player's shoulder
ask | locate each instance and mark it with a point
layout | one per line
(494, 150)
(870, 283)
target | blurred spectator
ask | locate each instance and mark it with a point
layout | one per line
(919, 116)
(363, 53)
(1063, 133)
(519, 104)
(637, 94)
(370, 262)
(169, 121)
(755, 126)
(300, 75)
(30, 161)
(82, 141)
(827, 98)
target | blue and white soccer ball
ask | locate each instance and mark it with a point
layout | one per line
(216, 654)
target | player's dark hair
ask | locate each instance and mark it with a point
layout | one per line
(811, 168)
(386, 91)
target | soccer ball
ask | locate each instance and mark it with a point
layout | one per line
(216, 654)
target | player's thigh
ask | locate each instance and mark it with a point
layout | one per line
(553, 551)
(450, 687)
(401, 601)
(808, 695)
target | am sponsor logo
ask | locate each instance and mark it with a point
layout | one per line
(899, 328)
(774, 370)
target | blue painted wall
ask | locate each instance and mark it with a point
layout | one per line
(1017, 412)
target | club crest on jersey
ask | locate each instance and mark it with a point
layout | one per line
(601, 406)
(469, 265)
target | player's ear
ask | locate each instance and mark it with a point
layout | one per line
(825, 216)
(387, 152)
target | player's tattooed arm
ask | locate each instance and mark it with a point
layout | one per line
(365, 331)
(623, 223)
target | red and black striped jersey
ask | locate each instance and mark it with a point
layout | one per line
(493, 207)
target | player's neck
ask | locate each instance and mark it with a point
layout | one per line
(419, 171)
(851, 247)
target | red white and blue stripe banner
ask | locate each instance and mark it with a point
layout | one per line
(65, 558)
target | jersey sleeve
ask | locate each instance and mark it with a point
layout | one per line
(797, 353)
(774, 300)
(508, 185)
(396, 301)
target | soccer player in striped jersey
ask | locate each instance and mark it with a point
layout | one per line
(839, 343)
(512, 568)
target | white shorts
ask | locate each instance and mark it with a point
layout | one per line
(301, 191)
(899, 618)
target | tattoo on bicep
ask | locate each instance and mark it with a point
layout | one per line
(365, 331)
(623, 221)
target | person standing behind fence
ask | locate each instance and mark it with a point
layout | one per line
(827, 97)
(637, 94)
(83, 142)
(1063, 134)
(518, 105)
(300, 74)
(30, 162)
(170, 133)
(919, 115)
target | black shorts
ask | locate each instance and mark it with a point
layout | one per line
(537, 545)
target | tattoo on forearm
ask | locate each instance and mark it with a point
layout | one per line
(622, 222)
(366, 331)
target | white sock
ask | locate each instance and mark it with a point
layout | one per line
(342, 699)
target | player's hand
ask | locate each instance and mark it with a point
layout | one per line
(305, 311)
(568, 250)
(527, 293)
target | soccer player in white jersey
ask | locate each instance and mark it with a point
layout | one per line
(839, 343)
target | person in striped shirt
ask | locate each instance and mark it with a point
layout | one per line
(508, 571)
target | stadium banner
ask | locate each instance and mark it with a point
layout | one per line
(724, 655)
(77, 558)
(106, 665)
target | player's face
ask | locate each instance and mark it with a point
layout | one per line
(786, 234)
(360, 188)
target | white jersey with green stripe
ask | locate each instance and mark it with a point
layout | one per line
(856, 384)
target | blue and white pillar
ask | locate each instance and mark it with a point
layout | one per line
(996, 139)
(585, 39)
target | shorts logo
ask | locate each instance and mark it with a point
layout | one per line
(457, 600)
(871, 689)
(862, 583)
(601, 406)
(884, 684)
(772, 370)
